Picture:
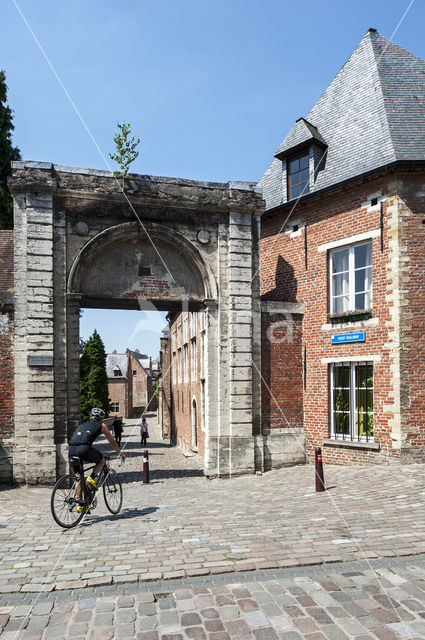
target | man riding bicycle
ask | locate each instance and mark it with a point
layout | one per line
(81, 447)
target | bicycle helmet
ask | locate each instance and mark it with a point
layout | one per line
(97, 414)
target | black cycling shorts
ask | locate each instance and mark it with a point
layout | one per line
(85, 452)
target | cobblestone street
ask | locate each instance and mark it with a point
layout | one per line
(255, 557)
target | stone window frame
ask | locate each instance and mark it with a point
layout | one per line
(353, 363)
(115, 407)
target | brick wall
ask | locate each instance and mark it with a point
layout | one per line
(286, 277)
(281, 369)
(187, 396)
(117, 390)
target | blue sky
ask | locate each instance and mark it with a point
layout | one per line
(211, 88)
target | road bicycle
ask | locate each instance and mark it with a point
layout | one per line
(64, 501)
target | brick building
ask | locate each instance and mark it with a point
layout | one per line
(187, 335)
(343, 263)
(132, 380)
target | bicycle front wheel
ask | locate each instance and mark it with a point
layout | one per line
(112, 491)
(64, 502)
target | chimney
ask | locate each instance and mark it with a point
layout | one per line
(136, 351)
(150, 364)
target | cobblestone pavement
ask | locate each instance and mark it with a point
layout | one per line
(181, 525)
(382, 599)
(304, 558)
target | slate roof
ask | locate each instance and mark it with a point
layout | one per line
(301, 133)
(141, 359)
(114, 360)
(6, 260)
(372, 114)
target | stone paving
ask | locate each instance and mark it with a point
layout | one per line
(382, 599)
(181, 525)
(258, 557)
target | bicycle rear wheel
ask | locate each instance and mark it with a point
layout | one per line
(112, 491)
(64, 503)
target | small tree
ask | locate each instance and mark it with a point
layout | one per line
(7, 153)
(93, 377)
(126, 149)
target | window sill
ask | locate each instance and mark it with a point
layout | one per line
(352, 444)
(351, 317)
(358, 324)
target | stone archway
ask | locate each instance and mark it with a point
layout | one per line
(80, 242)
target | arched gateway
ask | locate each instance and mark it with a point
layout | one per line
(176, 244)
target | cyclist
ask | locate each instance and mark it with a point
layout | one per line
(81, 442)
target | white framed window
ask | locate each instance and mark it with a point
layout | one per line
(351, 390)
(174, 366)
(174, 344)
(179, 365)
(186, 329)
(350, 278)
(186, 362)
(115, 407)
(193, 359)
(202, 355)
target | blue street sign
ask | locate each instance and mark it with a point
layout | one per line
(347, 337)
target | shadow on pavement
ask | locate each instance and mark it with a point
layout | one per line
(160, 474)
(124, 514)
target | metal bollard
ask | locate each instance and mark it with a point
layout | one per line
(145, 467)
(320, 482)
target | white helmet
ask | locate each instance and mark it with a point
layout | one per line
(97, 414)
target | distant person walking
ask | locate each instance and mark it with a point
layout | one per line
(118, 429)
(143, 431)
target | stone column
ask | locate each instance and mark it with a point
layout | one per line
(35, 451)
(241, 363)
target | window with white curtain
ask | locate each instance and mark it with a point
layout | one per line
(350, 272)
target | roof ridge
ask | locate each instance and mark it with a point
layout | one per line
(372, 37)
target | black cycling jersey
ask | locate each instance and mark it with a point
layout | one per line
(86, 433)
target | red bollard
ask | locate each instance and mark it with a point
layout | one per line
(145, 467)
(320, 482)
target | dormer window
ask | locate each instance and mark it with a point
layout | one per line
(298, 175)
(117, 371)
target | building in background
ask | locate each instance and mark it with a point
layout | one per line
(182, 349)
(132, 379)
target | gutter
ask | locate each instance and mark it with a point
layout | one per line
(397, 164)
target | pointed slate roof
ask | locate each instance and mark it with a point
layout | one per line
(114, 361)
(301, 133)
(372, 114)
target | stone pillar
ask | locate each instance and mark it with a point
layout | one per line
(233, 350)
(241, 363)
(35, 450)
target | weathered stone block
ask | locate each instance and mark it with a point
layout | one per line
(237, 330)
(241, 373)
(240, 416)
(283, 448)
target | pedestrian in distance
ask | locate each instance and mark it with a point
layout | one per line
(118, 429)
(143, 431)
